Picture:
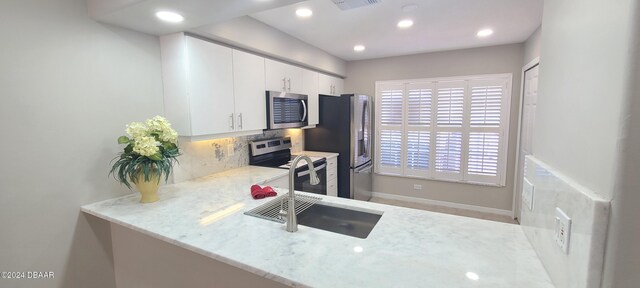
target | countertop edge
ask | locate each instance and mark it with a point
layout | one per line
(199, 251)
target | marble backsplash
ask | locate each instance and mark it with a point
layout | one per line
(202, 158)
(582, 266)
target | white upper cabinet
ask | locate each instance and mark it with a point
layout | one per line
(310, 88)
(198, 85)
(199, 97)
(329, 85)
(210, 87)
(283, 77)
(249, 91)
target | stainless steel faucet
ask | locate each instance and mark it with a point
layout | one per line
(292, 218)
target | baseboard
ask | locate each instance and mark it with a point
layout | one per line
(444, 204)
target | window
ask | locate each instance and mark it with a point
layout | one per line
(452, 129)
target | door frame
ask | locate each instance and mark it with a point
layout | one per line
(516, 194)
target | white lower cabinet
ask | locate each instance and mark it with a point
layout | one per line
(332, 177)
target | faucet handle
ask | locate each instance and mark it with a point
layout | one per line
(282, 213)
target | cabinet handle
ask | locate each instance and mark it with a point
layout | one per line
(284, 84)
(240, 121)
(231, 121)
(289, 80)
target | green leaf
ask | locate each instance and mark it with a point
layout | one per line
(123, 140)
(128, 149)
(156, 157)
(169, 146)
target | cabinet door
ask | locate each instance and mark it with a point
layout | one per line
(210, 87)
(338, 86)
(310, 87)
(283, 77)
(276, 75)
(249, 91)
(325, 84)
(329, 85)
(294, 79)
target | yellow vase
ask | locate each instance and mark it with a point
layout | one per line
(148, 189)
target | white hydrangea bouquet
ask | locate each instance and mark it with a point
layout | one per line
(151, 151)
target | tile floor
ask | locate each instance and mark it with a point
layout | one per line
(446, 210)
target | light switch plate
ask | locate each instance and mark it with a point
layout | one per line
(527, 194)
(562, 230)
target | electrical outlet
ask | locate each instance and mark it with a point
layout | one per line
(562, 230)
(527, 194)
(417, 187)
(229, 150)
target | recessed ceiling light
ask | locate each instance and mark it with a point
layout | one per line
(472, 276)
(484, 32)
(169, 16)
(358, 48)
(405, 23)
(304, 12)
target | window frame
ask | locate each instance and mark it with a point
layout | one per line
(466, 129)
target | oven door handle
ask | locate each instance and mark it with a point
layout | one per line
(304, 173)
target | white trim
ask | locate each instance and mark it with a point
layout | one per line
(516, 197)
(217, 136)
(530, 65)
(433, 178)
(445, 79)
(482, 209)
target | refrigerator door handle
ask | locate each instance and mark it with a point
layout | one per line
(365, 168)
(365, 131)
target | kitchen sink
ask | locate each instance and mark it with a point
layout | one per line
(339, 220)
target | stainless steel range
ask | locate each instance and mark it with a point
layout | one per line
(276, 153)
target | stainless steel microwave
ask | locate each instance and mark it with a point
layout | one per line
(286, 110)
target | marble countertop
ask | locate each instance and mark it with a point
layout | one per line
(407, 248)
(327, 155)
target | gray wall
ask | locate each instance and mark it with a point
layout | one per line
(361, 78)
(587, 115)
(251, 34)
(532, 46)
(68, 85)
(622, 263)
(583, 76)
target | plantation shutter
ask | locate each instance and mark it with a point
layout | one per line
(418, 129)
(448, 129)
(390, 111)
(452, 129)
(487, 106)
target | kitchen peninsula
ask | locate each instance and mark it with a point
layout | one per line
(407, 248)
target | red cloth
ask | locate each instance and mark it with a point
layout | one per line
(257, 192)
(269, 191)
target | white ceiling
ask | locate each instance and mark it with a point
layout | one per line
(438, 25)
(139, 15)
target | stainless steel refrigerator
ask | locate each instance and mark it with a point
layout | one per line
(345, 128)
